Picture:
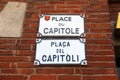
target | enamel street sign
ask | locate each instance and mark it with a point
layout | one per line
(61, 25)
(60, 51)
(61, 40)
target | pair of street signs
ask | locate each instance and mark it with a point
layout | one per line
(61, 40)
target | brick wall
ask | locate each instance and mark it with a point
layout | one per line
(114, 9)
(17, 54)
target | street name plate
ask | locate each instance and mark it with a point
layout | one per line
(61, 25)
(60, 51)
(56, 42)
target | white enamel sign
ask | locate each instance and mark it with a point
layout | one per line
(65, 49)
(61, 25)
(60, 51)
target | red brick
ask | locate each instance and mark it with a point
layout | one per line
(117, 9)
(95, 71)
(77, 11)
(108, 52)
(8, 64)
(100, 58)
(13, 77)
(114, 9)
(67, 6)
(6, 52)
(23, 47)
(1, 6)
(36, 16)
(98, 25)
(55, 11)
(98, 20)
(17, 71)
(44, 7)
(7, 41)
(102, 47)
(30, 30)
(99, 41)
(55, 71)
(101, 7)
(29, 35)
(89, 47)
(101, 64)
(34, 25)
(101, 30)
(99, 36)
(13, 58)
(30, 20)
(113, 5)
(100, 77)
(43, 77)
(56, 2)
(30, 6)
(28, 41)
(99, 47)
(85, 2)
(24, 52)
(69, 77)
(25, 65)
(97, 11)
(40, 2)
(99, 16)
(26, 25)
(8, 46)
(102, 2)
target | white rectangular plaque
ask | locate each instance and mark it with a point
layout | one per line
(60, 51)
(61, 25)
(61, 40)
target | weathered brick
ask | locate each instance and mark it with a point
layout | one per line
(98, 71)
(67, 6)
(29, 20)
(85, 2)
(98, 25)
(34, 25)
(23, 47)
(36, 16)
(28, 41)
(54, 11)
(14, 58)
(7, 52)
(55, 71)
(98, 52)
(29, 35)
(29, 30)
(101, 64)
(99, 36)
(69, 77)
(100, 58)
(100, 77)
(13, 77)
(24, 53)
(25, 65)
(7, 41)
(101, 30)
(8, 64)
(103, 41)
(43, 77)
(56, 2)
(17, 71)
(44, 6)
(7, 46)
